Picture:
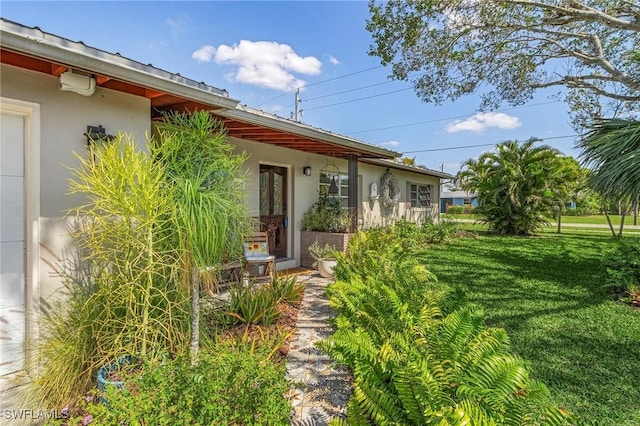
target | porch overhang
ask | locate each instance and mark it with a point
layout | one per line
(248, 123)
(413, 169)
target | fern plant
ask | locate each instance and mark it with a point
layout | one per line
(419, 356)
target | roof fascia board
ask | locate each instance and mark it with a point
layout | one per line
(243, 113)
(62, 51)
(418, 170)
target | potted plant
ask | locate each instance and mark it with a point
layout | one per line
(326, 215)
(325, 258)
(327, 222)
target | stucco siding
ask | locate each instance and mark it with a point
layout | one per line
(302, 190)
(64, 117)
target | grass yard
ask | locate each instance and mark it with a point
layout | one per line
(598, 219)
(548, 293)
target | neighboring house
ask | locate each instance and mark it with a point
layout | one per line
(457, 198)
(52, 89)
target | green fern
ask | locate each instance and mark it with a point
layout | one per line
(418, 355)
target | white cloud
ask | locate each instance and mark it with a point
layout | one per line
(333, 60)
(178, 25)
(483, 120)
(262, 63)
(391, 143)
(204, 54)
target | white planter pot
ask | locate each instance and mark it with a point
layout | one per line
(325, 267)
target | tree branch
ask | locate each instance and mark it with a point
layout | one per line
(586, 13)
(575, 82)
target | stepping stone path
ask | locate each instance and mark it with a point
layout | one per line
(321, 389)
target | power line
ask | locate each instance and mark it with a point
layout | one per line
(362, 87)
(484, 144)
(350, 90)
(360, 99)
(446, 118)
(320, 82)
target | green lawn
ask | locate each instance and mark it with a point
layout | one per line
(594, 219)
(547, 292)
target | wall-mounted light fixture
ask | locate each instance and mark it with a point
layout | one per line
(97, 134)
(306, 170)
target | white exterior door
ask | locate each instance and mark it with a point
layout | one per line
(12, 243)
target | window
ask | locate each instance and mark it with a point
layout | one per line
(466, 201)
(420, 195)
(343, 186)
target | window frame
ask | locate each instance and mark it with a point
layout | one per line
(342, 188)
(413, 195)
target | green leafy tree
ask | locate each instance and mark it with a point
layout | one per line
(612, 151)
(450, 48)
(570, 189)
(517, 185)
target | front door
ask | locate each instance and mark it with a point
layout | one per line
(273, 208)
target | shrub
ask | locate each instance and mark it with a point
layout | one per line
(623, 267)
(436, 233)
(413, 236)
(455, 209)
(468, 209)
(228, 386)
(581, 211)
(287, 289)
(254, 304)
(326, 215)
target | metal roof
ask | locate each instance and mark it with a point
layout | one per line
(414, 169)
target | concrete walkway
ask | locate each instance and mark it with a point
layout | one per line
(321, 390)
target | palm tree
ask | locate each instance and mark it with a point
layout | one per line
(517, 185)
(207, 186)
(612, 150)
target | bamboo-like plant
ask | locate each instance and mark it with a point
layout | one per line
(129, 302)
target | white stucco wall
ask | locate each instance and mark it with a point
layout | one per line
(373, 215)
(64, 117)
(303, 190)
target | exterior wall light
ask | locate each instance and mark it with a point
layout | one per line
(97, 134)
(306, 170)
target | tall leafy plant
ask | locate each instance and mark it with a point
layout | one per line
(150, 221)
(612, 150)
(206, 185)
(128, 301)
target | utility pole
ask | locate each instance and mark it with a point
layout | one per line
(298, 111)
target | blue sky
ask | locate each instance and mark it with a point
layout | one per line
(261, 51)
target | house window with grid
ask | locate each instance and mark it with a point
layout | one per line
(420, 195)
(342, 181)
